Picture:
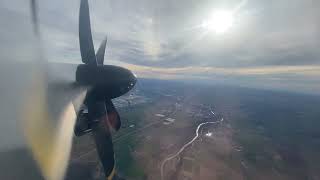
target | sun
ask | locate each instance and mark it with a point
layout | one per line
(219, 21)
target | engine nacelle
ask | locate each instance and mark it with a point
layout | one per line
(106, 81)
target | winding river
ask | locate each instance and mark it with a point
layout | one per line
(188, 143)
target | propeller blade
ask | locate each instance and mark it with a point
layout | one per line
(103, 140)
(85, 37)
(101, 51)
(37, 116)
(49, 123)
(113, 115)
(34, 11)
(97, 114)
(49, 115)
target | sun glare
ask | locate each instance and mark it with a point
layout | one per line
(219, 21)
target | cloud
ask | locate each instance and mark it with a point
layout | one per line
(274, 40)
(293, 78)
(207, 71)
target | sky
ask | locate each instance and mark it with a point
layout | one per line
(272, 44)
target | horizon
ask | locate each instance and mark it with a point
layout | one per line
(258, 44)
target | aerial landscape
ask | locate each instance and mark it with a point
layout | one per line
(160, 90)
(273, 137)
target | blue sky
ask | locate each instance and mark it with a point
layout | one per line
(272, 44)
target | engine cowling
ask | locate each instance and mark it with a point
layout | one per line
(106, 81)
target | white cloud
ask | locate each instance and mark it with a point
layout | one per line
(270, 39)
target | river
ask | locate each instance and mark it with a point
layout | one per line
(170, 157)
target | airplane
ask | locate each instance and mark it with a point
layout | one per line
(49, 114)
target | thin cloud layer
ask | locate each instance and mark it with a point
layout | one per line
(276, 41)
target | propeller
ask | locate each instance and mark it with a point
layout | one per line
(48, 113)
(99, 103)
(85, 37)
(34, 12)
(101, 51)
(88, 57)
(50, 121)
